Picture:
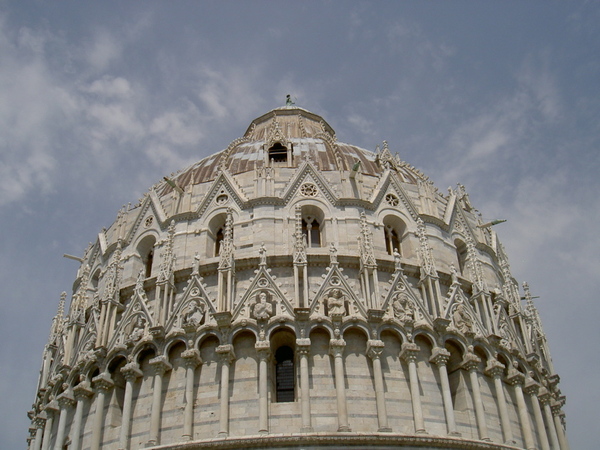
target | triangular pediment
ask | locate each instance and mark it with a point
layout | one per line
(194, 309)
(136, 320)
(151, 214)
(388, 189)
(461, 314)
(224, 191)
(263, 289)
(307, 173)
(336, 290)
(401, 298)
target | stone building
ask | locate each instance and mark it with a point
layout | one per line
(293, 291)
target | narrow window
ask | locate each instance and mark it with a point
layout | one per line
(312, 232)
(284, 374)
(391, 240)
(461, 255)
(278, 153)
(149, 260)
(218, 241)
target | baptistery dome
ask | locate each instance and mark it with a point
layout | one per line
(293, 291)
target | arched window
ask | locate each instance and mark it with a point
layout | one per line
(393, 230)
(278, 153)
(146, 251)
(218, 241)
(461, 255)
(311, 231)
(148, 263)
(284, 374)
(392, 241)
(216, 232)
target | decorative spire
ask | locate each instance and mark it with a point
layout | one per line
(474, 266)
(226, 261)
(299, 242)
(366, 243)
(113, 276)
(165, 272)
(58, 321)
(425, 252)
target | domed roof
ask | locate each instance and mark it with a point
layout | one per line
(310, 138)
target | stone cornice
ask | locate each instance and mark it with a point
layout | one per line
(338, 440)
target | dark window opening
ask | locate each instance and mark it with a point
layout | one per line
(391, 240)
(218, 241)
(461, 254)
(312, 233)
(284, 374)
(278, 153)
(149, 260)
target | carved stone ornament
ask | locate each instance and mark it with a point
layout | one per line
(309, 190)
(336, 303)
(263, 309)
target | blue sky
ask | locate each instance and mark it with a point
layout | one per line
(99, 100)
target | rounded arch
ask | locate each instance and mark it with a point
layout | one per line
(142, 350)
(145, 250)
(240, 329)
(323, 326)
(426, 335)
(173, 342)
(394, 233)
(359, 325)
(115, 354)
(391, 328)
(208, 333)
(461, 254)
(280, 326)
(484, 350)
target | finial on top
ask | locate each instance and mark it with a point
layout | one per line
(288, 100)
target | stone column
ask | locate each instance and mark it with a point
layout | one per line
(131, 372)
(374, 350)
(192, 360)
(65, 402)
(562, 439)
(440, 357)
(50, 409)
(545, 399)
(82, 392)
(531, 389)
(303, 349)
(103, 384)
(161, 365)
(39, 432)
(263, 348)
(336, 349)
(516, 379)
(409, 353)
(495, 369)
(227, 356)
(470, 363)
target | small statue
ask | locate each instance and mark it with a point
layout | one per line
(138, 328)
(262, 254)
(288, 100)
(262, 309)
(397, 260)
(462, 319)
(194, 314)
(196, 265)
(336, 303)
(453, 275)
(333, 253)
(403, 308)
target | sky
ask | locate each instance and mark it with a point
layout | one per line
(100, 100)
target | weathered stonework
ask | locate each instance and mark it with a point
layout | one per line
(292, 292)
